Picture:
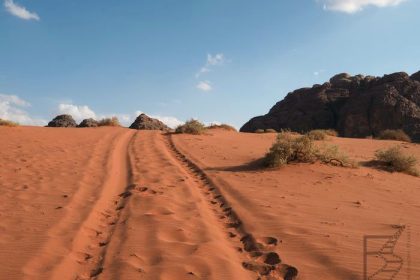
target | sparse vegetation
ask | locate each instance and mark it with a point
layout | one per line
(109, 122)
(331, 154)
(398, 134)
(289, 148)
(270, 130)
(8, 123)
(394, 160)
(259, 131)
(191, 127)
(321, 134)
(222, 126)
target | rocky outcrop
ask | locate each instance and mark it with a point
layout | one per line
(355, 106)
(62, 121)
(144, 122)
(88, 123)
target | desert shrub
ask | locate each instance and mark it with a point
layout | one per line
(331, 154)
(270, 130)
(317, 134)
(390, 134)
(259, 131)
(288, 149)
(394, 160)
(321, 134)
(8, 123)
(222, 126)
(109, 122)
(191, 127)
(331, 132)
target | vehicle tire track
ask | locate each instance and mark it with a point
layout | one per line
(89, 243)
(260, 257)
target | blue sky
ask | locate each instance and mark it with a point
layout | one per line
(215, 60)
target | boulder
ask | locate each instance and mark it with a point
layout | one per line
(144, 122)
(355, 106)
(88, 123)
(62, 121)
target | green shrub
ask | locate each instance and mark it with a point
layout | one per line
(259, 131)
(8, 123)
(191, 127)
(394, 160)
(390, 134)
(288, 149)
(109, 122)
(270, 130)
(221, 126)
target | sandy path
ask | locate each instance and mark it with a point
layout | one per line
(41, 171)
(168, 230)
(74, 247)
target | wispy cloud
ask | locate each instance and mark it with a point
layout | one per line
(212, 60)
(12, 109)
(353, 6)
(204, 86)
(19, 11)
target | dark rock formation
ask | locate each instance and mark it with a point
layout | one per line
(88, 123)
(355, 106)
(62, 121)
(144, 122)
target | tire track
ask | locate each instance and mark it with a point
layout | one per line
(89, 243)
(45, 260)
(260, 257)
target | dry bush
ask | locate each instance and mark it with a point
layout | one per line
(317, 134)
(259, 130)
(8, 123)
(331, 132)
(398, 134)
(321, 134)
(331, 154)
(109, 122)
(191, 127)
(222, 126)
(394, 160)
(288, 149)
(270, 130)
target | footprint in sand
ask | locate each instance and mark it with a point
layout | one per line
(268, 241)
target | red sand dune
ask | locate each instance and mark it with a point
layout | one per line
(113, 203)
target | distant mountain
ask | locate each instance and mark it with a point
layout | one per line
(355, 106)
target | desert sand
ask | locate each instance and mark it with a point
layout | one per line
(114, 203)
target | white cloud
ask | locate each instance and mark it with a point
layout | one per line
(204, 86)
(212, 60)
(19, 11)
(172, 122)
(353, 6)
(218, 59)
(79, 113)
(11, 109)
